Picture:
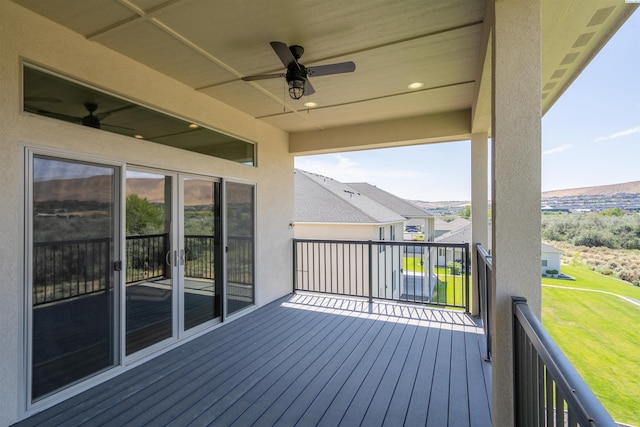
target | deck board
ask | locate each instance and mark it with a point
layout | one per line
(305, 360)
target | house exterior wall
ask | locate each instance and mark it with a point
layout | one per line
(24, 35)
(331, 264)
(552, 261)
(336, 231)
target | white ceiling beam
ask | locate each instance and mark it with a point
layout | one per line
(441, 127)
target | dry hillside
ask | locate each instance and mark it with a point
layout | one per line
(625, 187)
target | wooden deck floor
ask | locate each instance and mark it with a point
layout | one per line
(304, 360)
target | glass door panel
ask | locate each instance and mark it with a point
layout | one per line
(239, 202)
(72, 276)
(201, 251)
(149, 260)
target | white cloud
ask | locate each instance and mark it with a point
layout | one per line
(556, 150)
(619, 134)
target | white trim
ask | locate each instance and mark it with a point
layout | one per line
(26, 406)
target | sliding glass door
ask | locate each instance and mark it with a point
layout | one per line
(240, 221)
(150, 271)
(200, 254)
(94, 302)
(172, 256)
(73, 248)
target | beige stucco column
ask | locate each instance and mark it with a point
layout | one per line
(479, 219)
(516, 166)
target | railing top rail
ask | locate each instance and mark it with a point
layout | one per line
(72, 242)
(588, 409)
(385, 242)
(484, 254)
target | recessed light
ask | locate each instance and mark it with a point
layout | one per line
(194, 126)
(138, 136)
(310, 104)
(416, 85)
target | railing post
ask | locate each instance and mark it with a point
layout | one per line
(467, 260)
(370, 272)
(295, 265)
(519, 383)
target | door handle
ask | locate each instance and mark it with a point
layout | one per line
(167, 258)
(181, 256)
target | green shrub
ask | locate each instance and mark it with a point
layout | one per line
(454, 267)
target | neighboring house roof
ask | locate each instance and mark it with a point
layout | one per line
(456, 224)
(321, 199)
(550, 249)
(391, 201)
(461, 235)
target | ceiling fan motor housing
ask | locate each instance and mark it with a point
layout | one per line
(295, 73)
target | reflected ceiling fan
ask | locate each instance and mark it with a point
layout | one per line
(297, 75)
(89, 120)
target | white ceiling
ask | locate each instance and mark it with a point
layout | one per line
(210, 45)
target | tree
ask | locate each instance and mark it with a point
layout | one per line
(143, 217)
(612, 212)
(466, 212)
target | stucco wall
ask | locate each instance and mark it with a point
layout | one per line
(27, 36)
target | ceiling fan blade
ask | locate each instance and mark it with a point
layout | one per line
(285, 55)
(115, 127)
(42, 99)
(339, 68)
(262, 77)
(308, 89)
(60, 116)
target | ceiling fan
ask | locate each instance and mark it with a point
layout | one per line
(89, 120)
(297, 75)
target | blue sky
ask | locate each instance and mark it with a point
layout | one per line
(591, 136)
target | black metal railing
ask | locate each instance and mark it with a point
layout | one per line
(145, 257)
(484, 287)
(67, 269)
(72, 268)
(548, 389)
(199, 256)
(422, 272)
(240, 260)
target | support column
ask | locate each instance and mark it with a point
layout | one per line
(479, 217)
(516, 172)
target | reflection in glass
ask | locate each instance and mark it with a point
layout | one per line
(201, 248)
(72, 276)
(59, 98)
(149, 286)
(240, 241)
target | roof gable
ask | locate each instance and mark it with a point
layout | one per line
(323, 199)
(391, 201)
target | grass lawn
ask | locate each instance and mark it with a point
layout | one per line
(450, 287)
(600, 334)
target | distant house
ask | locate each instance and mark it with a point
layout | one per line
(550, 256)
(417, 218)
(461, 234)
(329, 209)
(443, 227)
(550, 259)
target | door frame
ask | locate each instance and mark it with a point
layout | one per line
(26, 347)
(225, 245)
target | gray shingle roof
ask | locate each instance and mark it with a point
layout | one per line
(391, 201)
(322, 199)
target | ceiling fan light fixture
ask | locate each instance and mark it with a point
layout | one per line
(296, 88)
